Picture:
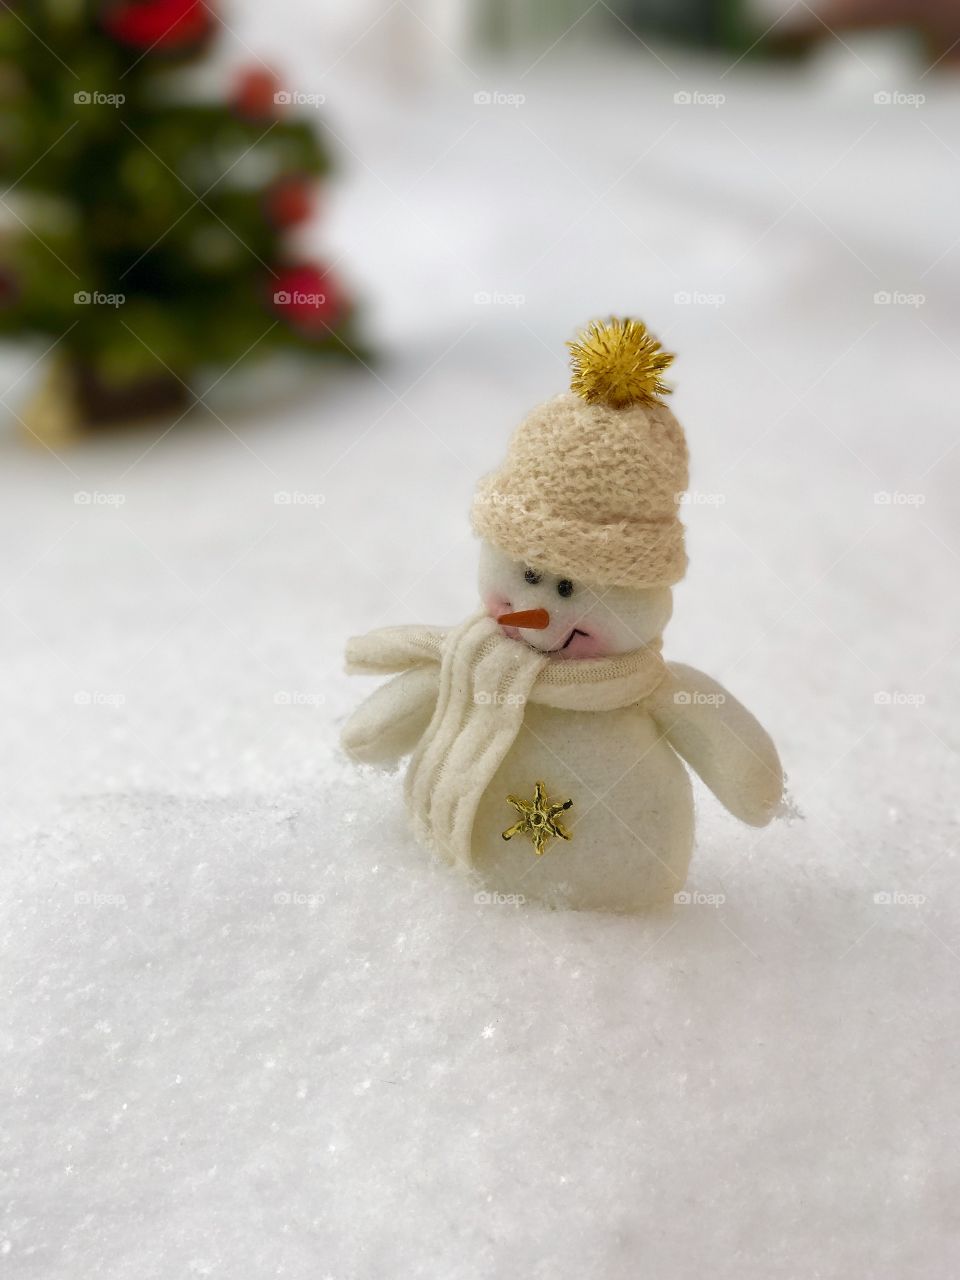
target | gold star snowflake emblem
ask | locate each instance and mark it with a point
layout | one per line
(538, 819)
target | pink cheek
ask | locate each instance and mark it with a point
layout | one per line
(589, 646)
(496, 605)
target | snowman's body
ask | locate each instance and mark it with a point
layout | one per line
(615, 742)
(631, 822)
(558, 692)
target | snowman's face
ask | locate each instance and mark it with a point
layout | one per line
(582, 621)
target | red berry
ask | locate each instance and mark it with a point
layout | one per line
(255, 93)
(308, 298)
(163, 24)
(289, 201)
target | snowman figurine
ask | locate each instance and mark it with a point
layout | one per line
(548, 735)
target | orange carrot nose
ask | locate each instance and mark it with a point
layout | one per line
(532, 619)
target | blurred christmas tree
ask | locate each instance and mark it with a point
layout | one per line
(148, 235)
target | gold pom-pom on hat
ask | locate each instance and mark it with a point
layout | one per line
(618, 363)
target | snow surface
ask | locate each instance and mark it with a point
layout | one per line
(250, 1029)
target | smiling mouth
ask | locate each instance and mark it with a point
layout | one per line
(559, 649)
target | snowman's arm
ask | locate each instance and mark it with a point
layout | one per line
(721, 741)
(390, 723)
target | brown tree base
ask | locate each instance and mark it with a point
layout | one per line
(105, 404)
(73, 401)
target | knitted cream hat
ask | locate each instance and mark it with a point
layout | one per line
(592, 478)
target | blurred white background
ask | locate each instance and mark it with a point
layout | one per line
(393, 1082)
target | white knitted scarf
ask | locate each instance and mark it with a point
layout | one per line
(485, 681)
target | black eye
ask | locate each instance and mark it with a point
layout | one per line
(531, 576)
(564, 587)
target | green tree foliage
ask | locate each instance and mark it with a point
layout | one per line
(147, 227)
